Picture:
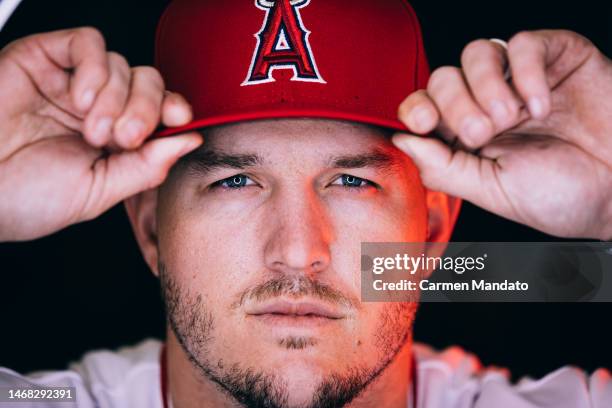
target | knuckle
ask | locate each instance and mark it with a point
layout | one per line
(521, 40)
(10, 47)
(601, 59)
(442, 75)
(23, 46)
(151, 75)
(578, 40)
(92, 35)
(118, 59)
(13, 48)
(476, 48)
(119, 66)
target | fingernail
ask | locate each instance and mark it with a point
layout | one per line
(131, 131)
(420, 118)
(473, 129)
(101, 130)
(536, 107)
(500, 112)
(87, 99)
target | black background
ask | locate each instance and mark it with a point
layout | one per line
(87, 287)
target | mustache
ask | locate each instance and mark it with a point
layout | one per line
(296, 287)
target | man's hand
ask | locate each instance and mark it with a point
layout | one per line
(536, 149)
(74, 122)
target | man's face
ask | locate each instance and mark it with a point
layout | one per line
(259, 237)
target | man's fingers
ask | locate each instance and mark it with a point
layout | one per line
(176, 111)
(458, 173)
(109, 104)
(142, 112)
(84, 51)
(540, 60)
(69, 67)
(131, 172)
(528, 53)
(91, 70)
(435, 161)
(460, 112)
(419, 113)
(484, 64)
(476, 103)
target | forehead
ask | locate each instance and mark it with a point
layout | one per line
(296, 136)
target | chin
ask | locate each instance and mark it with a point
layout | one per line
(307, 360)
(302, 382)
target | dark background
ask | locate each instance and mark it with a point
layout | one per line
(87, 287)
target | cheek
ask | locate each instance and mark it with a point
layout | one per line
(386, 217)
(213, 252)
(392, 217)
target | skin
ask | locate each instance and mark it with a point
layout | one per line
(295, 223)
(74, 141)
(536, 150)
(74, 125)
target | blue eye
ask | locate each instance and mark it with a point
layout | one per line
(346, 180)
(235, 182)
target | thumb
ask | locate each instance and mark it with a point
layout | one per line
(458, 173)
(132, 172)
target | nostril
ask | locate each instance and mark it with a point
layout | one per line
(318, 266)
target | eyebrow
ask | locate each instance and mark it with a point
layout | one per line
(202, 161)
(375, 158)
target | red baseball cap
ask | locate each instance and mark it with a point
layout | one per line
(239, 60)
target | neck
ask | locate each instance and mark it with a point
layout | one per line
(189, 388)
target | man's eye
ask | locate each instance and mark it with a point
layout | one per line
(349, 181)
(235, 182)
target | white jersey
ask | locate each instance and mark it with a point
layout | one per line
(131, 378)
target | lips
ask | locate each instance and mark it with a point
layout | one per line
(296, 309)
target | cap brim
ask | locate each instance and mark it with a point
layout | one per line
(279, 114)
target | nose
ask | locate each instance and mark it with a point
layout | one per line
(299, 237)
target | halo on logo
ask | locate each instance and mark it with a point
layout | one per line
(282, 43)
(270, 4)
